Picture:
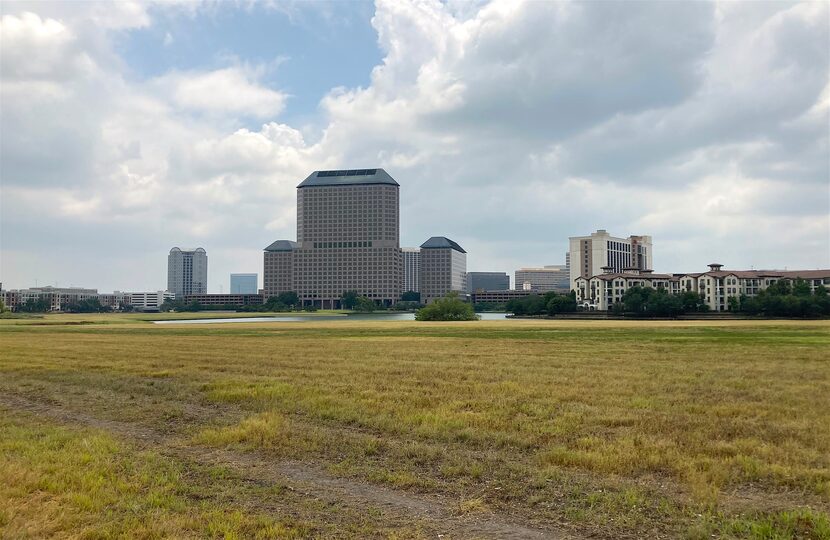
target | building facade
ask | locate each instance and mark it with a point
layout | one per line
(716, 286)
(588, 255)
(149, 301)
(244, 283)
(187, 271)
(348, 239)
(547, 278)
(498, 297)
(487, 281)
(443, 269)
(235, 300)
(278, 275)
(60, 298)
(411, 269)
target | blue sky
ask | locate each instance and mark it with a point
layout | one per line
(308, 48)
(130, 127)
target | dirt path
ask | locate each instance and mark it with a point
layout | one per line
(303, 478)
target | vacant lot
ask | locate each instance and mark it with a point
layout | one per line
(113, 426)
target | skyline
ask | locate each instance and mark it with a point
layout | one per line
(131, 128)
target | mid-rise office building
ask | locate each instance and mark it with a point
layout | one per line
(443, 269)
(149, 301)
(244, 283)
(487, 281)
(588, 255)
(187, 271)
(552, 277)
(348, 239)
(411, 269)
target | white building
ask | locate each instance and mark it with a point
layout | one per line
(411, 269)
(187, 271)
(588, 255)
(149, 301)
(601, 291)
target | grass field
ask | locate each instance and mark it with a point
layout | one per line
(112, 426)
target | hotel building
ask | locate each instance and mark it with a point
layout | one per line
(588, 255)
(187, 271)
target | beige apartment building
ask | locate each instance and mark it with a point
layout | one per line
(588, 255)
(348, 239)
(443, 269)
(600, 292)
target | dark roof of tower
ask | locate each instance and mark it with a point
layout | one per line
(441, 242)
(282, 245)
(348, 177)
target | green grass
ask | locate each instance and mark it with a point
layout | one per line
(616, 429)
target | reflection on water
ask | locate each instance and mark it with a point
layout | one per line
(306, 318)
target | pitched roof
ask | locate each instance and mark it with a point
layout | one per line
(282, 245)
(349, 177)
(437, 242)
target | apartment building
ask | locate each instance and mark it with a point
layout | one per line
(600, 292)
(588, 255)
(553, 277)
(411, 269)
(348, 238)
(59, 298)
(187, 271)
(443, 269)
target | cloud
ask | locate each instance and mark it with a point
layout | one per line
(510, 126)
(228, 91)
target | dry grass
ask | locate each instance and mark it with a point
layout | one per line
(616, 428)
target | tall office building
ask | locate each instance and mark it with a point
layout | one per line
(487, 281)
(278, 274)
(589, 255)
(552, 277)
(411, 269)
(244, 283)
(348, 234)
(187, 271)
(443, 268)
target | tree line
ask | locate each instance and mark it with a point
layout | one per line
(549, 303)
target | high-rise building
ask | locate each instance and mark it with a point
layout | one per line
(600, 252)
(244, 283)
(443, 268)
(552, 277)
(348, 234)
(187, 271)
(487, 281)
(278, 274)
(411, 269)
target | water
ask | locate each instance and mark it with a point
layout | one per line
(307, 318)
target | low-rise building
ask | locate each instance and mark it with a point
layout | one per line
(716, 286)
(149, 301)
(224, 299)
(499, 296)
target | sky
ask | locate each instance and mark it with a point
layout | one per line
(128, 128)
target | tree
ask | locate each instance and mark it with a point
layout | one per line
(348, 300)
(562, 303)
(39, 305)
(364, 304)
(411, 296)
(288, 298)
(449, 308)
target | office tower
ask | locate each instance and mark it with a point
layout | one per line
(243, 284)
(443, 268)
(487, 281)
(411, 269)
(278, 269)
(552, 277)
(187, 271)
(589, 255)
(347, 239)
